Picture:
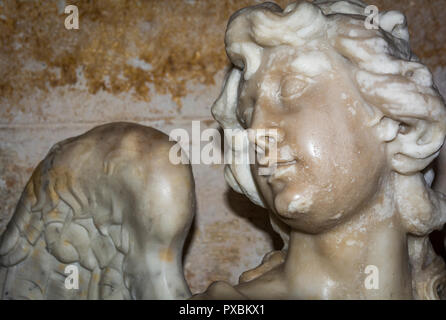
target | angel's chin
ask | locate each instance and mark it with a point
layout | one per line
(289, 205)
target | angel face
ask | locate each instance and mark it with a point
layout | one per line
(329, 162)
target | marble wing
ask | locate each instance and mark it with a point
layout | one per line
(110, 205)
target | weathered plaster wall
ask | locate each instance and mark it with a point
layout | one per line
(158, 63)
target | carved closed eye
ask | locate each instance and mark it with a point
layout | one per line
(292, 87)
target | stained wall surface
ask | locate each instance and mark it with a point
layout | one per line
(158, 63)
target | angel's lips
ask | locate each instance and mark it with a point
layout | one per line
(278, 170)
(277, 164)
(286, 163)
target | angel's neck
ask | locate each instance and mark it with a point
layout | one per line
(366, 258)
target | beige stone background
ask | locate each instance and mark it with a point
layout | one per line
(158, 63)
